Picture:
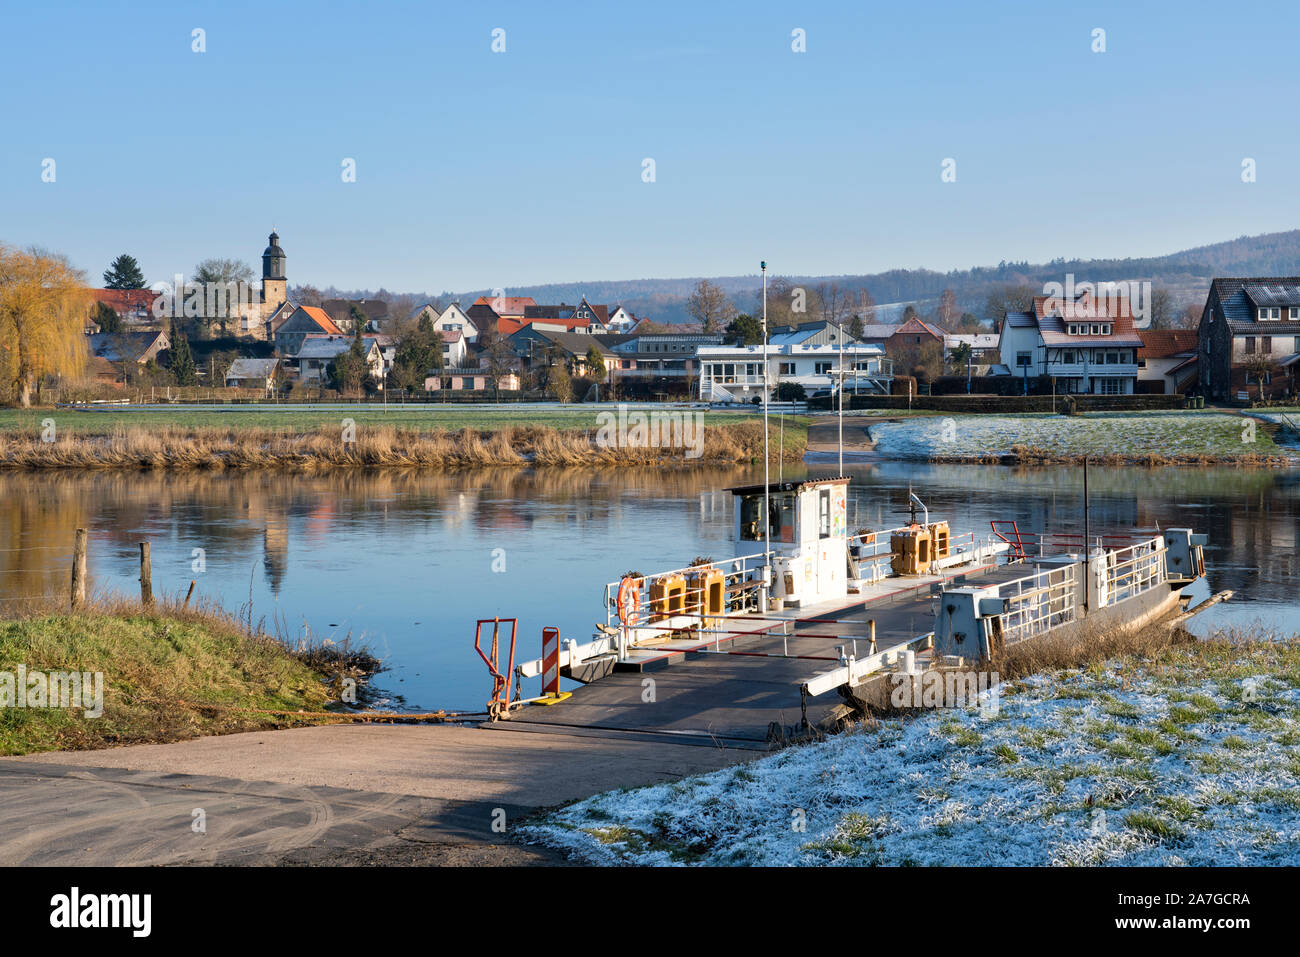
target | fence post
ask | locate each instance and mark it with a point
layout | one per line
(146, 576)
(79, 570)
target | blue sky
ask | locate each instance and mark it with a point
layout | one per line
(480, 169)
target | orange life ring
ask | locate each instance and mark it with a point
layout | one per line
(629, 599)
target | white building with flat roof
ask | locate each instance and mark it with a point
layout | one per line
(741, 373)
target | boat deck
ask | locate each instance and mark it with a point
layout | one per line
(727, 690)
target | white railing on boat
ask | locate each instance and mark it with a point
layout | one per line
(1038, 603)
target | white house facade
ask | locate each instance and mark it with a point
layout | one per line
(1083, 347)
(742, 373)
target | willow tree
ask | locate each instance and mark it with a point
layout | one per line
(43, 305)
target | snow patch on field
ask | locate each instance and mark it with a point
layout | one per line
(1085, 768)
(1148, 433)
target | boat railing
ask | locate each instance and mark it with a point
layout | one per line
(1060, 543)
(1134, 570)
(742, 576)
(1038, 603)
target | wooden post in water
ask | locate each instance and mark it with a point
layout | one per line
(146, 576)
(79, 570)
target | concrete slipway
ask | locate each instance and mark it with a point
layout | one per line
(437, 793)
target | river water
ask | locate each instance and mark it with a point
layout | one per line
(404, 562)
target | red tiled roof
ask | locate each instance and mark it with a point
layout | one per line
(1053, 317)
(1164, 343)
(505, 305)
(915, 325)
(125, 300)
(451, 335)
(323, 320)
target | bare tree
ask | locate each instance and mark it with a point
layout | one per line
(834, 303)
(710, 307)
(948, 313)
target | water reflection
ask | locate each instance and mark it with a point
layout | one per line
(406, 559)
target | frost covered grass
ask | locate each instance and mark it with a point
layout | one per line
(1147, 438)
(1188, 756)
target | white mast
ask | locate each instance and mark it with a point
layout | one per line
(767, 514)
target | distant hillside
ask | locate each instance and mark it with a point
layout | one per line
(1185, 274)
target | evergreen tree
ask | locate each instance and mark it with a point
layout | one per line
(124, 273)
(181, 362)
(595, 363)
(106, 317)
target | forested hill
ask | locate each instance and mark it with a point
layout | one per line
(1185, 274)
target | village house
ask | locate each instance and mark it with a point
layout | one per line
(1250, 328)
(655, 355)
(132, 306)
(737, 373)
(304, 321)
(984, 347)
(253, 374)
(1087, 345)
(461, 379)
(454, 347)
(1167, 361)
(451, 319)
(914, 332)
(341, 311)
(114, 354)
(499, 315)
(312, 359)
(819, 333)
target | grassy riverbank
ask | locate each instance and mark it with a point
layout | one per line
(1189, 754)
(365, 445)
(1128, 438)
(151, 662)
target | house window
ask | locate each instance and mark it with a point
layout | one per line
(1112, 358)
(1068, 357)
(1250, 345)
(1105, 330)
(1269, 314)
(1092, 329)
(1111, 386)
(822, 368)
(1023, 358)
(1293, 313)
(1073, 330)
(1297, 344)
(824, 513)
(787, 368)
(1266, 345)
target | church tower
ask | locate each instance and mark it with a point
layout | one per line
(275, 288)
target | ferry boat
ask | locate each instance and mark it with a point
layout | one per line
(747, 650)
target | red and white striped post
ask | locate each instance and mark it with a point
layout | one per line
(551, 661)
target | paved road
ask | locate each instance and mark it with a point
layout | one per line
(390, 794)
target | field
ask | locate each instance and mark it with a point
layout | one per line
(1147, 437)
(299, 419)
(1188, 756)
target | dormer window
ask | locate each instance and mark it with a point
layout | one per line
(1293, 313)
(1092, 330)
(1270, 313)
(1105, 330)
